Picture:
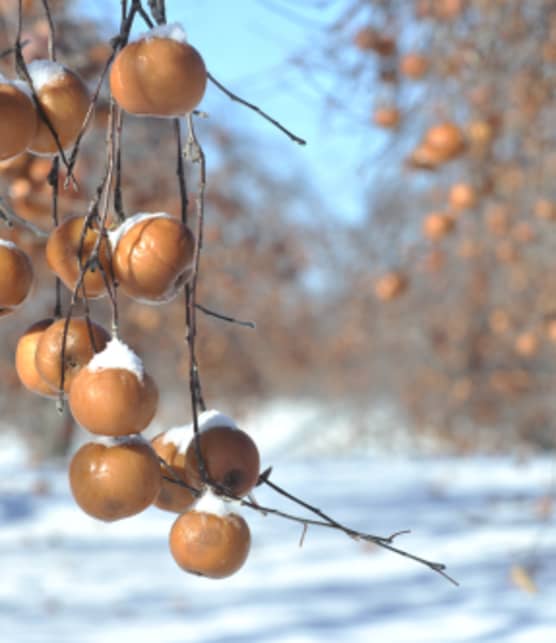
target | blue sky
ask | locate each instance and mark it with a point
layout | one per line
(246, 45)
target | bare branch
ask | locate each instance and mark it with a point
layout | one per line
(21, 68)
(195, 389)
(256, 109)
(11, 50)
(385, 542)
(51, 31)
(226, 318)
(158, 11)
(10, 218)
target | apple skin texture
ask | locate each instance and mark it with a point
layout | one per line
(16, 278)
(158, 77)
(153, 259)
(65, 101)
(18, 121)
(210, 545)
(172, 497)
(25, 353)
(78, 353)
(114, 482)
(62, 256)
(230, 456)
(113, 401)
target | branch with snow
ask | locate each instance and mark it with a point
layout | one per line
(385, 542)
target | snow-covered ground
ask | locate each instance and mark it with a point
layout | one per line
(66, 578)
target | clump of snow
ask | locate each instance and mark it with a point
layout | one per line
(181, 436)
(121, 440)
(23, 88)
(210, 503)
(18, 84)
(45, 72)
(173, 31)
(117, 355)
(7, 243)
(212, 418)
(115, 235)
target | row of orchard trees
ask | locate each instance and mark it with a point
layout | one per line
(462, 212)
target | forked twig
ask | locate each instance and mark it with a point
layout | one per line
(385, 542)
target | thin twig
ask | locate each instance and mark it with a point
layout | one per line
(381, 541)
(141, 11)
(256, 109)
(303, 534)
(117, 43)
(195, 153)
(174, 477)
(51, 31)
(88, 116)
(158, 11)
(53, 181)
(112, 149)
(384, 542)
(195, 389)
(11, 50)
(226, 318)
(23, 71)
(189, 320)
(180, 172)
(10, 218)
(74, 297)
(118, 195)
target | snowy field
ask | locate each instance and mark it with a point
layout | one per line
(66, 578)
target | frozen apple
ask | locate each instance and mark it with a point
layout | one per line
(69, 247)
(18, 118)
(229, 454)
(65, 100)
(113, 395)
(25, 354)
(84, 338)
(171, 446)
(16, 276)
(210, 539)
(152, 256)
(115, 480)
(159, 75)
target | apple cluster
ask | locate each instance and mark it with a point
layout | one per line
(150, 257)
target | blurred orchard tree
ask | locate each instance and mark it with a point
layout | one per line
(459, 224)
